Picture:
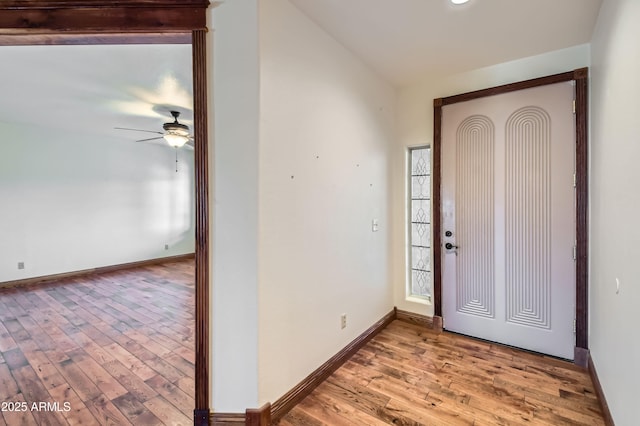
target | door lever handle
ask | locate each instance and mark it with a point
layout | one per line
(450, 246)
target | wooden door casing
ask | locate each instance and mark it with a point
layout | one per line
(138, 21)
(580, 77)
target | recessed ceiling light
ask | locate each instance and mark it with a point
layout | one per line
(459, 1)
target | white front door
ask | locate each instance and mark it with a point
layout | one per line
(508, 218)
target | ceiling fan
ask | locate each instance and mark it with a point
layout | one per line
(175, 133)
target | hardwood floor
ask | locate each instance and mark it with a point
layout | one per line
(409, 375)
(115, 348)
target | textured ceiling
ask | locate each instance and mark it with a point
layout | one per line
(404, 40)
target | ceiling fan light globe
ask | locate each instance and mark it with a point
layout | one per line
(176, 140)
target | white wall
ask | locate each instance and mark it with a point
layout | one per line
(326, 127)
(615, 200)
(69, 204)
(297, 184)
(74, 199)
(235, 205)
(415, 127)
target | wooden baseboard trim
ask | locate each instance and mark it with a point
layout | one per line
(606, 414)
(283, 405)
(259, 416)
(227, 419)
(98, 270)
(434, 323)
(414, 318)
(252, 417)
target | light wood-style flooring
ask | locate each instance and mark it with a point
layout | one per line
(115, 348)
(409, 375)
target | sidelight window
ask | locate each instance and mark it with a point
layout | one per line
(420, 222)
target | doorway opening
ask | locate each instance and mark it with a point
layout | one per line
(139, 21)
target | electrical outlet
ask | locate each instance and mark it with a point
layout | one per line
(20, 265)
(166, 246)
(343, 321)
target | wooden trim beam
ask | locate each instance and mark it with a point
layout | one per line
(201, 154)
(104, 38)
(511, 87)
(436, 219)
(97, 21)
(99, 4)
(582, 207)
(87, 16)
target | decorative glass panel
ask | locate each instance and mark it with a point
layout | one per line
(421, 258)
(420, 222)
(420, 211)
(420, 283)
(420, 187)
(420, 235)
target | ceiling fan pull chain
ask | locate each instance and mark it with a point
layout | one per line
(176, 159)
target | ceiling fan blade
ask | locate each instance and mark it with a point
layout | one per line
(139, 130)
(150, 139)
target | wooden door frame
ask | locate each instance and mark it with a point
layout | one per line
(31, 22)
(580, 76)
